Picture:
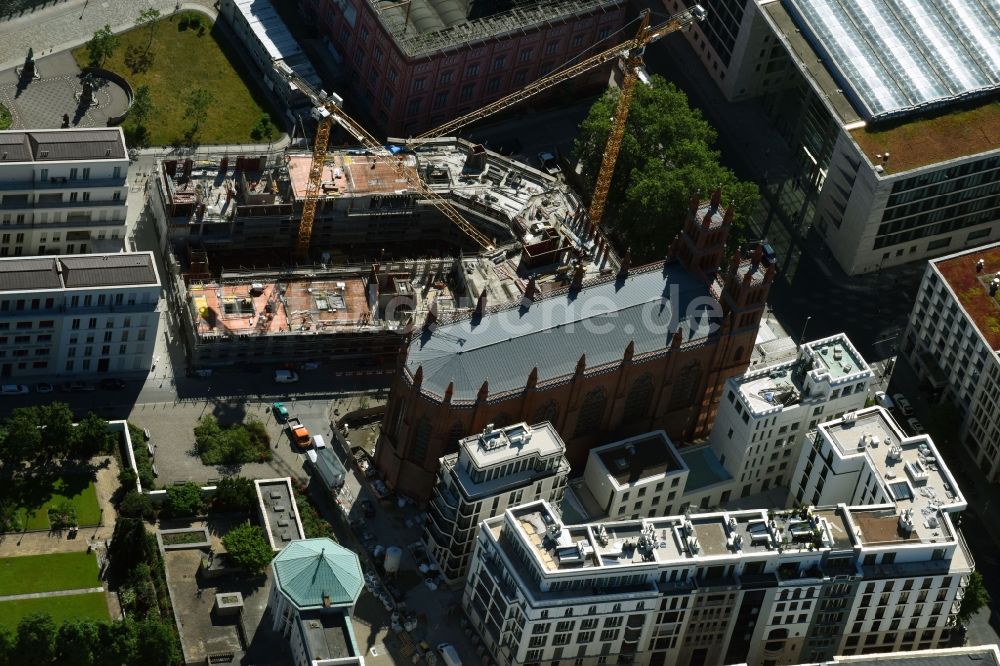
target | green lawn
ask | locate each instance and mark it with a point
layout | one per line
(91, 606)
(47, 573)
(5, 119)
(35, 496)
(182, 60)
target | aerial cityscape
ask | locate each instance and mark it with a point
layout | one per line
(499, 332)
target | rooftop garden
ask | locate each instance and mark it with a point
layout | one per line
(972, 289)
(914, 143)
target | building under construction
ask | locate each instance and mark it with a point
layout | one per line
(246, 211)
(414, 64)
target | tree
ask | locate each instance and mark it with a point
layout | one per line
(666, 156)
(264, 129)
(116, 643)
(142, 108)
(136, 505)
(23, 440)
(156, 645)
(149, 19)
(184, 500)
(7, 643)
(196, 105)
(35, 640)
(102, 46)
(249, 548)
(975, 597)
(235, 493)
(131, 544)
(75, 642)
(92, 436)
(57, 437)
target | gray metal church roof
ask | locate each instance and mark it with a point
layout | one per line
(552, 333)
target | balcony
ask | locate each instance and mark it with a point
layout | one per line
(57, 183)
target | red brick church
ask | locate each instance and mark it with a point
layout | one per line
(650, 347)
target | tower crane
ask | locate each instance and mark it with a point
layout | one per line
(327, 110)
(632, 51)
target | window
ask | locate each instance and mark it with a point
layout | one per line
(413, 108)
(440, 99)
(73, 196)
(472, 70)
(498, 63)
(493, 84)
(525, 55)
(466, 93)
(116, 196)
(520, 76)
(418, 84)
(445, 77)
(552, 47)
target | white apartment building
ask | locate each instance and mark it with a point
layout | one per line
(78, 315)
(492, 471)
(761, 423)
(952, 340)
(857, 92)
(880, 569)
(62, 191)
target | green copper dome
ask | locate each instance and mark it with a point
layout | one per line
(309, 569)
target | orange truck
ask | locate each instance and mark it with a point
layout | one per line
(299, 433)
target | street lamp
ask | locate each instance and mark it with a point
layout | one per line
(802, 337)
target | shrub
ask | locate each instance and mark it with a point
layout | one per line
(234, 444)
(142, 459)
(235, 493)
(136, 505)
(184, 500)
(248, 547)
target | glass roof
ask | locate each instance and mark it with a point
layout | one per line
(894, 57)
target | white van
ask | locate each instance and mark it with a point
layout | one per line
(449, 654)
(319, 442)
(285, 377)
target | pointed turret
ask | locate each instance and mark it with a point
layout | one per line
(484, 391)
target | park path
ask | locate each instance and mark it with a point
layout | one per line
(45, 595)
(70, 24)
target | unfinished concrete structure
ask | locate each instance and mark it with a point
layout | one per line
(245, 204)
(413, 65)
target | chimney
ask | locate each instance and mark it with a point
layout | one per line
(484, 391)
(578, 273)
(716, 198)
(481, 304)
(678, 338)
(581, 365)
(326, 600)
(532, 378)
(629, 351)
(626, 263)
(448, 392)
(418, 376)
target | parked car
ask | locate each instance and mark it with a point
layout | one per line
(915, 426)
(112, 384)
(280, 411)
(550, 164)
(449, 654)
(145, 433)
(44, 387)
(14, 389)
(309, 365)
(903, 404)
(285, 376)
(77, 387)
(882, 399)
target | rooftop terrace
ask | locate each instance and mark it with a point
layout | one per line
(911, 475)
(972, 288)
(278, 509)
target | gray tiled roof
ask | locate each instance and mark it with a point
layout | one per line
(29, 274)
(61, 145)
(983, 656)
(100, 270)
(552, 334)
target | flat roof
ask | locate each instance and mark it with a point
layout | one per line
(497, 445)
(122, 269)
(932, 136)
(274, 36)
(327, 635)
(345, 173)
(704, 468)
(277, 507)
(648, 455)
(62, 145)
(503, 347)
(978, 655)
(252, 307)
(898, 57)
(911, 474)
(972, 288)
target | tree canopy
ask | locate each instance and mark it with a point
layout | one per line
(975, 597)
(248, 547)
(184, 500)
(45, 433)
(666, 156)
(102, 45)
(235, 493)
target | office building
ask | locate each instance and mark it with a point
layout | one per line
(316, 583)
(493, 470)
(765, 414)
(613, 355)
(889, 117)
(880, 568)
(78, 315)
(274, 51)
(952, 340)
(63, 191)
(412, 66)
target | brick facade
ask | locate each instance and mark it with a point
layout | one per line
(677, 387)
